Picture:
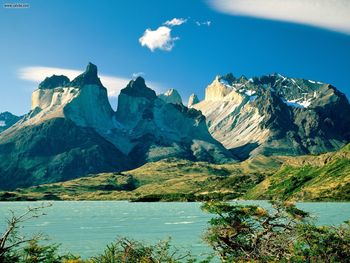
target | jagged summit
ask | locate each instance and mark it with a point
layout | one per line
(275, 114)
(54, 81)
(217, 90)
(193, 99)
(171, 96)
(89, 77)
(138, 88)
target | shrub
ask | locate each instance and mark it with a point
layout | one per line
(250, 233)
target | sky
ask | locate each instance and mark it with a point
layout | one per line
(180, 44)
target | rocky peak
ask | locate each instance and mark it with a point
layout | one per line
(171, 96)
(242, 79)
(193, 99)
(7, 119)
(138, 88)
(53, 82)
(218, 89)
(89, 77)
(229, 78)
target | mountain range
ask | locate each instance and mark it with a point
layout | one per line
(72, 131)
(275, 115)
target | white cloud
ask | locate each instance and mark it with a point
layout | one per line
(113, 84)
(160, 38)
(203, 23)
(329, 14)
(175, 22)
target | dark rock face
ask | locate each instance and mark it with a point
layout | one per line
(89, 77)
(277, 115)
(7, 119)
(135, 102)
(322, 126)
(138, 88)
(53, 82)
(161, 130)
(55, 150)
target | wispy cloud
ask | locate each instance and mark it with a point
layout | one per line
(175, 22)
(113, 84)
(328, 14)
(158, 39)
(203, 23)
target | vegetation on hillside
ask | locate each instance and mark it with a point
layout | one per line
(308, 178)
(324, 177)
(166, 180)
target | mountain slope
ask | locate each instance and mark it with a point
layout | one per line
(72, 131)
(55, 150)
(311, 178)
(276, 115)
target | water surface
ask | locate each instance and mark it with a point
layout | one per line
(86, 227)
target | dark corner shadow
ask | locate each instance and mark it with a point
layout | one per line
(242, 152)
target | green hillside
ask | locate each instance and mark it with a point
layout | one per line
(165, 180)
(310, 178)
(324, 177)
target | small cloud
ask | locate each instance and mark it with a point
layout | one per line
(160, 38)
(138, 74)
(204, 23)
(175, 22)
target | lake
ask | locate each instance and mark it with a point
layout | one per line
(86, 227)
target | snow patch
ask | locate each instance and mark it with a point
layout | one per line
(283, 77)
(225, 82)
(250, 92)
(2, 123)
(296, 84)
(298, 103)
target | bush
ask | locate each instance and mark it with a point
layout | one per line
(129, 251)
(250, 233)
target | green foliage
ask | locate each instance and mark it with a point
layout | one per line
(281, 234)
(322, 244)
(129, 251)
(33, 252)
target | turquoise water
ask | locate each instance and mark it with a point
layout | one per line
(86, 227)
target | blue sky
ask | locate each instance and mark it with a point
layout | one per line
(68, 34)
